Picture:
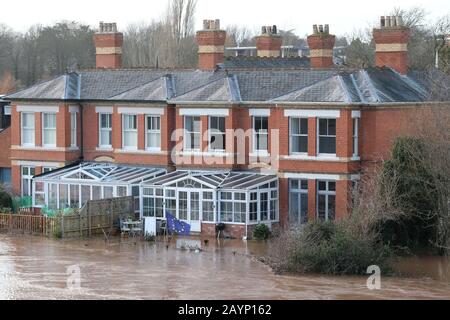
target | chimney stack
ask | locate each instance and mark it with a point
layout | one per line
(391, 40)
(268, 44)
(108, 45)
(211, 45)
(321, 44)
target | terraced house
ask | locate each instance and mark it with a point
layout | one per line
(240, 141)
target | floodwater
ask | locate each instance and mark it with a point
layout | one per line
(39, 268)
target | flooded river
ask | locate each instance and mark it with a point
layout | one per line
(37, 268)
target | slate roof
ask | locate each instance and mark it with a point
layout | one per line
(338, 85)
(265, 63)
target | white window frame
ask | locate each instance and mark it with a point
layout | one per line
(210, 134)
(292, 135)
(299, 191)
(135, 131)
(100, 129)
(73, 130)
(44, 129)
(327, 193)
(319, 136)
(152, 132)
(33, 128)
(255, 134)
(187, 134)
(355, 137)
(29, 178)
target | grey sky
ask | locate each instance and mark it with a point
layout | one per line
(343, 16)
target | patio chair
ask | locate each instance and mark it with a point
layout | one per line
(124, 229)
(137, 230)
(163, 227)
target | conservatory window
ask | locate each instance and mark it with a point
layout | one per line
(74, 196)
(63, 196)
(39, 194)
(253, 214)
(208, 207)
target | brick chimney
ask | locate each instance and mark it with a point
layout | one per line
(321, 44)
(391, 41)
(211, 45)
(108, 45)
(268, 44)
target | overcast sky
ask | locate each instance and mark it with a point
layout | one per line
(343, 16)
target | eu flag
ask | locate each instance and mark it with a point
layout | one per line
(176, 226)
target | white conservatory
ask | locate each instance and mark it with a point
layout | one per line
(73, 186)
(196, 197)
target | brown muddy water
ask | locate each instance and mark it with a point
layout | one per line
(36, 268)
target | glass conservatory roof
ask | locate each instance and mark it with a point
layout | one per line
(103, 173)
(226, 180)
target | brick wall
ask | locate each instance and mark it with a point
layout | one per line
(5, 148)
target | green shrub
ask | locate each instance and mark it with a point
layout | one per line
(261, 232)
(328, 248)
(5, 199)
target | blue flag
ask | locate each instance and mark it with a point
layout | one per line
(176, 226)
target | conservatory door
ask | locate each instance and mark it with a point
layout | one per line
(189, 209)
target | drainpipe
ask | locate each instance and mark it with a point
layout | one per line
(81, 134)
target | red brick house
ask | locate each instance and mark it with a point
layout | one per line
(271, 140)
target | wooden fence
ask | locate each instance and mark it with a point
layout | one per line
(96, 217)
(31, 224)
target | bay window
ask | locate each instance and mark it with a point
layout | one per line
(217, 133)
(153, 133)
(260, 134)
(27, 132)
(298, 135)
(129, 131)
(192, 133)
(327, 136)
(105, 134)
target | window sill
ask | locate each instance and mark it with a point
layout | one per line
(311, 158)
(259, 154)
(144, 152)
(109, 149)
(219, 154)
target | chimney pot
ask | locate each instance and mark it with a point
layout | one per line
(382, 22)
(315, 29)
(327, 28)
(321, 28)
